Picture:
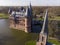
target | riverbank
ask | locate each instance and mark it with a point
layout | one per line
(54, 41)
(21, 38)
(4, 16)
(50, 41)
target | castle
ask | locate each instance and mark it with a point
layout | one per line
(21, 19)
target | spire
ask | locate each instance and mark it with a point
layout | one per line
(30, 7)
(28, 11)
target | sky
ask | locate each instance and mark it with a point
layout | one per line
(27, 2)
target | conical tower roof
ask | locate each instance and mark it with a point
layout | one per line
(29, 11)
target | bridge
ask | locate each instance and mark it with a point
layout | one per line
(43, 35)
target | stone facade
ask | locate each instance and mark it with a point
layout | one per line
(21, 19)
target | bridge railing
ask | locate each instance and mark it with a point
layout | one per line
(45, 23)
(43, 34)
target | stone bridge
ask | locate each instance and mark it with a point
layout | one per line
(43, 36)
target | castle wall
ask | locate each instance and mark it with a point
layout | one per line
(27, 25)
(21, 20)
(19, 26)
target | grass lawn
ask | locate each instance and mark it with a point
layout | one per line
(31, 42)
(4, 16)
(22, 38)
(56, 42)
(55, 18)
(50, 41)
(38, 19)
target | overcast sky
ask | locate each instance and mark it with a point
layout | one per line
(26, 2)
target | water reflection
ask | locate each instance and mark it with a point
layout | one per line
(4, 27)
(5, 32)
(13, 37)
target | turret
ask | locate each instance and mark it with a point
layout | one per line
(9, 11)
(28, 20)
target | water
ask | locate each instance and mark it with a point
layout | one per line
(14, 37)
(4, 28)
(5, 32)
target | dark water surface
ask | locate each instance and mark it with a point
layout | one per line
(14, 37)
(4, 28)
(5, 33)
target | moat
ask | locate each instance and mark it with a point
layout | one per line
(14, 37)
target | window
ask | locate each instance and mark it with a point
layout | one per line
(41, 43)
(42, 38)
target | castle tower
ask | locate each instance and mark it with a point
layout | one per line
(28, 19)
(9, 11)
(21, 20)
